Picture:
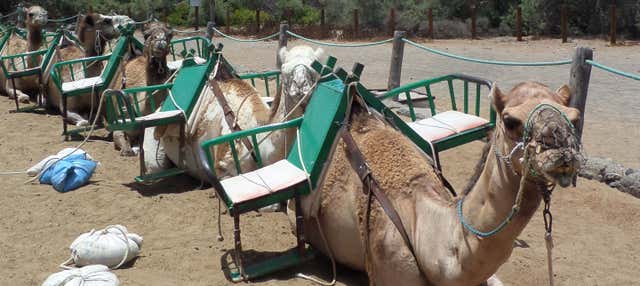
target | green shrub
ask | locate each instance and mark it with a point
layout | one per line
(179, 16)
(243, 17)
(310, 16)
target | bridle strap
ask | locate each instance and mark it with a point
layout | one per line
(371, 187)
(230, 117)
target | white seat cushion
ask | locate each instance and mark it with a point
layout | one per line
(445, 124)
(81, 83)
(264, 181)
(174, 65)
(158, 115)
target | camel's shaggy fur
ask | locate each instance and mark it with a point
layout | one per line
(151, 69)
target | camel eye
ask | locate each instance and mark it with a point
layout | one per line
(31, 14)
(511, 123)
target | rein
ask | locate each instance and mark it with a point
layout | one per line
(371, 187)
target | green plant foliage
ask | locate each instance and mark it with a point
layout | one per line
(540, 17)
(179, 15)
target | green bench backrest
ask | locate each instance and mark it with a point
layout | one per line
(118, 53)
(320, 125)
(199, 47)
(188, 85)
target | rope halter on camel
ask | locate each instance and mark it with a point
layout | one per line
(546, 128)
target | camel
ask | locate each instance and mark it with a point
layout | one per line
(94, 31)
(207, 120)
(35, 19)
(446, 252)
(151, 69)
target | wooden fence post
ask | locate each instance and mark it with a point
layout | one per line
(392, 21)
(212, 19)
(258, 20)
(563, 22)
(613, 22)
(473, 20)
(356, 25)
(323, 26)
(228, 22)
(430, 19)
(197, 23)
(397, 53)
(519, 23)
(579, 83)
(282, 42)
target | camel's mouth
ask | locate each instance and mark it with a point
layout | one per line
(558, 166)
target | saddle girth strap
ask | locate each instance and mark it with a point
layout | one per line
(371, 187)
(230, 117)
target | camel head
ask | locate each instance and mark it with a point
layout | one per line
(157, 39)
(36, 17)
(94, 30)
(539, 119)
(298, 78)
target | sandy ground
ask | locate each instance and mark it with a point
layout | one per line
(596, 228)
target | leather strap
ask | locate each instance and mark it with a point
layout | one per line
(371, 187)
(230, 117)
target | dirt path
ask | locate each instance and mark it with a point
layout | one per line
(596, 228)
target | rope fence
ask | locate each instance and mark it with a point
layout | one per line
(9, 15)
(489, 62)
(62, 20)
(339, 45)
(245, 40)
(613, 70)
(189, 32)
(144, 21)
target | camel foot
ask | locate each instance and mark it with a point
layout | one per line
(494, 281)
(271, 208)
(23, 98)
(127, 152)
(82, 123)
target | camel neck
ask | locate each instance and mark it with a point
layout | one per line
(491, 200)
(157, 70)
(34, 38)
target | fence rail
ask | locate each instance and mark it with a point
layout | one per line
(272, 36)
(356, 45)
(489, 62)
(613, 70)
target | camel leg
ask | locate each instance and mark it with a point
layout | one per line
(391, 262)
(121, 142)
(76, 119)
(16, 93)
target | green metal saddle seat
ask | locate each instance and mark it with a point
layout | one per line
(441, 130)
(123, 110)
(34, 63)
(293, 177)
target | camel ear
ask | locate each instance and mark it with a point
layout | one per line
(564, 92)
(146, 33)
(573, 114)
(498, 99)
(283, 54)
(169, 32)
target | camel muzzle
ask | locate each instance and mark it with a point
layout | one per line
(556, 149)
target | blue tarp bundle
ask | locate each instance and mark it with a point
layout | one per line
(69, 173)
